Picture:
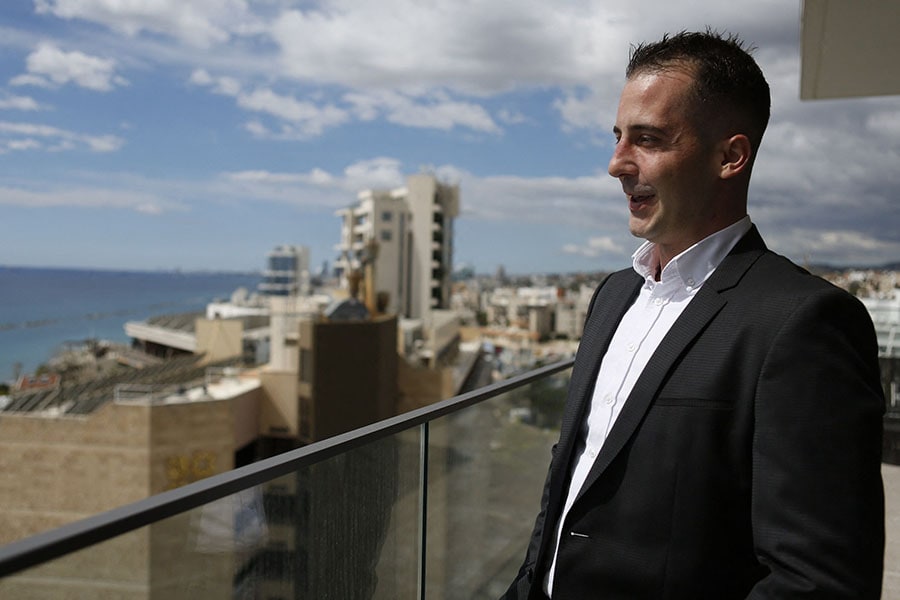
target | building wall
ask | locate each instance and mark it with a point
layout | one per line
(426, 198)
(278, 415)
(219, 339)
(188, 442)
(389, 220)
(540, 320)
(283, 332)
(56, 470)
(354, 374)
(421, 386)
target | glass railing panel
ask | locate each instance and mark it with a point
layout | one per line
(346, 527)
(486, 469)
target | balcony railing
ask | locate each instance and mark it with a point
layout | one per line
(437, 503)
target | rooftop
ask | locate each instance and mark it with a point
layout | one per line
(84, 397)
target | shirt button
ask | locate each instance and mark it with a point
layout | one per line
(658, 301)
(593, 453)
(690, 281)
(608, 399)
(631, 347)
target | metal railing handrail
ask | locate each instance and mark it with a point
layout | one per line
(52, 544)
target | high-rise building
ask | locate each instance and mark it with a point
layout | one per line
(375, 233)
(287, 272)
(405, 237)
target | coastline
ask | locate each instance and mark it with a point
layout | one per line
(43, 308)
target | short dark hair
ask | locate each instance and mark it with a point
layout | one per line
(727, 81)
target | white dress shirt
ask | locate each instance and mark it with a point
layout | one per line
(640, 332)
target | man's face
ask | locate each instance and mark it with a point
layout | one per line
(668, 167)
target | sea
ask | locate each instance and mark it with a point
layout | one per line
(43, 309)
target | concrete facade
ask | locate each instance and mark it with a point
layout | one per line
(76, 467)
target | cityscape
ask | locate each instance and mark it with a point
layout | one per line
(301, 359)
(415, 199)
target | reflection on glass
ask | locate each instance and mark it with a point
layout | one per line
(345, 528)
(486, 467)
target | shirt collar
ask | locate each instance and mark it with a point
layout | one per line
(693, 266)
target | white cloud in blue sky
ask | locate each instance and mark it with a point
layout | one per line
(35, 136)
(200, 134)
(48, 66)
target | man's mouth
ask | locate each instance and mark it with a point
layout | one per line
(640, 199)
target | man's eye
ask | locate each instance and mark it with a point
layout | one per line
(646, 139)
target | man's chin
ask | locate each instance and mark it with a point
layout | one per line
(639, 228)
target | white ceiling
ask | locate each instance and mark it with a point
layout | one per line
(849, 48)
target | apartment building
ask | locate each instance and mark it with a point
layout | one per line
(405, 237)
(287, 272)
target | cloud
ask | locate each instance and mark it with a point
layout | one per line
(435, 111)
(586, 201)
(200, 23)
(23, 144)
(313, 119)
(52, 138)
(511, 117)
(226, 86)
(317, 188)
(87, 197)
(596, 246)
(419, 64)
(48, 66)
(885, 122)
(468, 47)
(25, 103)
(839, 247)
(379, 173)
(302, 119)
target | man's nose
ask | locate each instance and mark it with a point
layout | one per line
(621, 162)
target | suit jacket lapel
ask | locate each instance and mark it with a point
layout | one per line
(705, 305)
(617, 294)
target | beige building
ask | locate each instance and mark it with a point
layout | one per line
(406, 236)
(84, 449)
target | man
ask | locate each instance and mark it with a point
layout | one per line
(722, 433)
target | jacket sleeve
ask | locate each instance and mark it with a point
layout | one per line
(817, 502)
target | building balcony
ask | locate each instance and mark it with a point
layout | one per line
(436, 503)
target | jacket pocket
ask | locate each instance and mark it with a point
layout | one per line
(710, 403)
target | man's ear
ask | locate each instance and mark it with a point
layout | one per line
(736, 153)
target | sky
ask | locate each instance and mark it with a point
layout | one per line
(161, 134)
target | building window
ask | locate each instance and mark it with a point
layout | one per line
(386, 235)
(387, 216)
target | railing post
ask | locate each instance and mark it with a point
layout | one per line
(423, 507)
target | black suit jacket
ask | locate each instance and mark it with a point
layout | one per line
(746, 461)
